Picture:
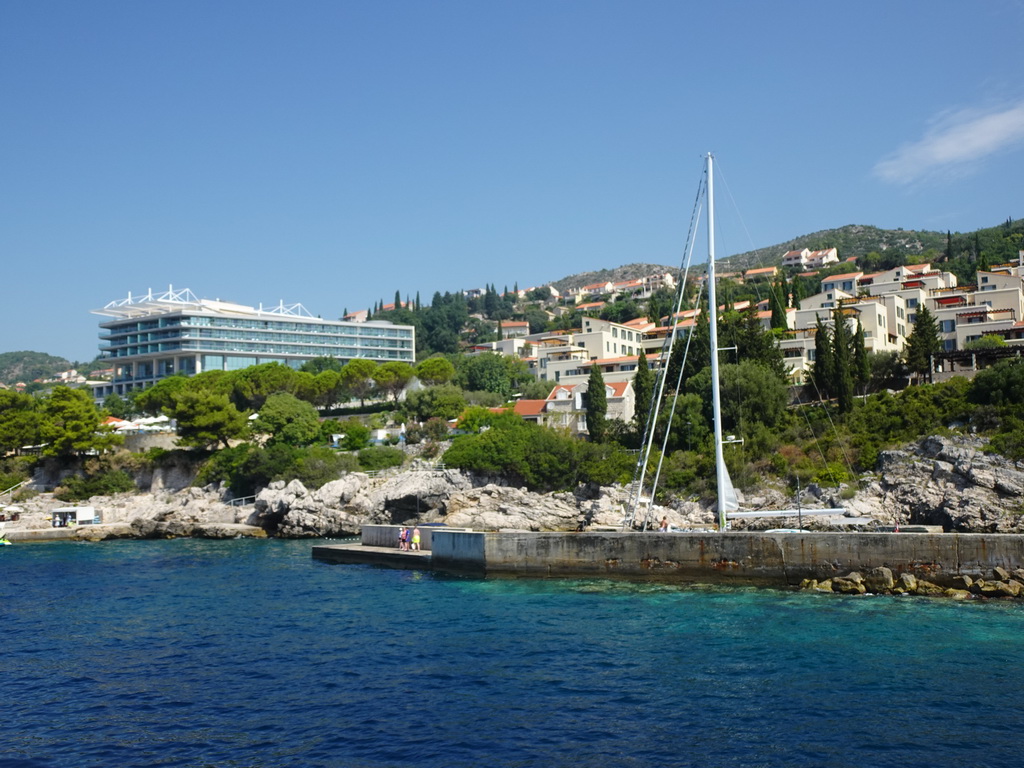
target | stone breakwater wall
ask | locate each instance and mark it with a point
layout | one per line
(946, 560)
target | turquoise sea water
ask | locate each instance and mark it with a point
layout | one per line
(250, 653)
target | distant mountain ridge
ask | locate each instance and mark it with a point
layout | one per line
(616, 275)
(851, 240)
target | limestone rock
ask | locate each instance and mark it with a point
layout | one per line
(851, 584)
(906, 582)
(927, 588)
(879, 580)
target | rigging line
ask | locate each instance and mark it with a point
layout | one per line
(835, 431)
(817, 442)
(636, 491)
(639, 474)
(773, 287)
(672, 410)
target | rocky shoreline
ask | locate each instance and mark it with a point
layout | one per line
(950, 482)
(881, 581)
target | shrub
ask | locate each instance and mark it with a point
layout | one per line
(78, 487)
(380, 457)
(319, 465)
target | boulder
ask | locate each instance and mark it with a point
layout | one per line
(929, 589)
(906, 582)
(851, 584)
(879, 580)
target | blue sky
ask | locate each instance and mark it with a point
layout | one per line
(333, 153)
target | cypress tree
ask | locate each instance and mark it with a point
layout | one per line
(843, 381)
(398, 300)
(922, 343)
(776, 302)
(597, 406)
(699, 356)
(643, 390)
(822, 374)
(799, 291)
(861, 362)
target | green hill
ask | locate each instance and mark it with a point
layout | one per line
(27, 366)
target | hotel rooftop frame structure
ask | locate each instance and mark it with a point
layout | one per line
(154, 336)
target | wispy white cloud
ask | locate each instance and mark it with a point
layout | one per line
(953, 142)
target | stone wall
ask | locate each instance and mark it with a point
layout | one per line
(754, 558)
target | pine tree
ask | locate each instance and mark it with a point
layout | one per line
(398, 300)
(597, 405)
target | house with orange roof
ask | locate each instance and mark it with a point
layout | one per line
(808, 259)
(848, 282)
(760, 275)
(566, 405)
(530, 410)
(514, 329)
(359, 316)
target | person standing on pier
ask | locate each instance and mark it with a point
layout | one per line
(403, 538)
(416, 538)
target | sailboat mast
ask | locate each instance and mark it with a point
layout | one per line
(716, 402)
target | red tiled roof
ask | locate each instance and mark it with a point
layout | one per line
(530, 407)
(610, 360)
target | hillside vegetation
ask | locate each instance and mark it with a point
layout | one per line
(1000, 243)
(27, 366)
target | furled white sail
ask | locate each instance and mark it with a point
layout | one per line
(729, 501)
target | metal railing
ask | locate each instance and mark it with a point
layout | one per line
(12, 489)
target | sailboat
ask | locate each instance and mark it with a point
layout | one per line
(728, 507)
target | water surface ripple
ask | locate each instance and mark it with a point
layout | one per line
(251, 654)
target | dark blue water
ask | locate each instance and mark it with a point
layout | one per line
(249, 653)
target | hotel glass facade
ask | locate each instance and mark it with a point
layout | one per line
(155, 337)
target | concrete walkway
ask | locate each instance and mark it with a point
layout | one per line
(356, 553)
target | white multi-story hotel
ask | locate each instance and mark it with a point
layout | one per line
(154, 336)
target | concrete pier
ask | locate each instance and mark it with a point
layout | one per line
(776, 559)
